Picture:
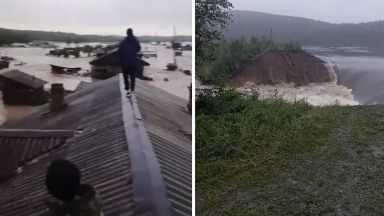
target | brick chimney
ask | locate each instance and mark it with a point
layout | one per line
(57, 97)
(189, 106)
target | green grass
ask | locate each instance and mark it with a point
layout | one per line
(271, 157)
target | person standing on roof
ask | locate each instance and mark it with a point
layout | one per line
(128, 50)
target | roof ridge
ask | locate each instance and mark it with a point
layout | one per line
(148, 183)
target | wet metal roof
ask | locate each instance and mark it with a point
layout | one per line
(82, 85)
(140, 162)
(23, 78)
(173, 150)
(18, 147)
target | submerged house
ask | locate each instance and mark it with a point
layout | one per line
(4, 64)
(108, 65)
(60, 69)
(20, 88)
(137, 152)
(186, 47)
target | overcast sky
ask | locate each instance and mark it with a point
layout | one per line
(334, 11)
(105, 17)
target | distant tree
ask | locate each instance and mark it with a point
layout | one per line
(87, 49)
(68, 41)
(76, 54)
(307, 31)
(231, 55)
(171, 67)
(212, 16)
(9, 36)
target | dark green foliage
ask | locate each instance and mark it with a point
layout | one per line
(87, 49)
(212, 16)
(171, 67)
(233, 54)
(231, 124)
(68, 41)
(307, 31)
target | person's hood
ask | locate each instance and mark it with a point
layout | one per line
(86, 203)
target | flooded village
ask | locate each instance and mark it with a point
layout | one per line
(28, 70)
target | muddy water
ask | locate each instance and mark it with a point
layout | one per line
(317, 94)
(360, 69)
(359, 78)
(38, 64)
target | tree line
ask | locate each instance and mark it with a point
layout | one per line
(307, 31)
(9, 36)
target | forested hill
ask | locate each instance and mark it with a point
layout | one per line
(307, 31)
(9, 36)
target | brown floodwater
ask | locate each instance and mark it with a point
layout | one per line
(38, 65)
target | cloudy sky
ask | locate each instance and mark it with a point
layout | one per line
(104, 17)
(334, 11)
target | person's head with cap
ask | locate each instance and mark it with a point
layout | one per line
(63, 180)
(130, 32)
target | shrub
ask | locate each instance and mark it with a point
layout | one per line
(171, 67)
(230, 124)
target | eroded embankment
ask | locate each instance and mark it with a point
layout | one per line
(293, 75)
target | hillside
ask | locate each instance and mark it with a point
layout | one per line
(8, 36)
(307, 31)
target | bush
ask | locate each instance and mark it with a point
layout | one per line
(171, 67)
(230, 124)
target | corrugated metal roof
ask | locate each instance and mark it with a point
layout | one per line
(99, 148)
(67, 119)
(23, 78)
(82, 85)
(18, 147)
(173, 149)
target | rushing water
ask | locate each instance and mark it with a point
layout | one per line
(358, 78)
(360, 69)
(38, 64)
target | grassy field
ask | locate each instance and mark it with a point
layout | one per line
(271, 157)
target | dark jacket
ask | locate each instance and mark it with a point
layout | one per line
(87, 203)
(128, 50)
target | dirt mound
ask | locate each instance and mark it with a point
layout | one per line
(276, 67)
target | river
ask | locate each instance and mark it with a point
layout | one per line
(38, 65)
